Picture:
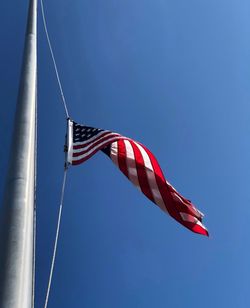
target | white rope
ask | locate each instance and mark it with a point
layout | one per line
(57, 235)
(66, 165)
(54, 61)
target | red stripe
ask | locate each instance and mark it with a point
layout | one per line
(141, 173)
(79, 161)
(161, 182)
(186, 206)
(76, 161)
(122, 157)
(184, 200)
(200, 230)
(83, 145)
(195, 228)
(95, 143)
(173, 207)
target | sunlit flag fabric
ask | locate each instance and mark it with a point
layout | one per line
(139, 165)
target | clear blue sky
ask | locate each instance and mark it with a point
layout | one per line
(174, 75)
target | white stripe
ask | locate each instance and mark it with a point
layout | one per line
(94, 142)
(192, 219)
(131, 165)
(96, 147)
(114, 153)
(177, 196)
(187, 205)
(151, 178)
(93, 138)
(171, 186)
(70, 140)
(188, 217)
(190, 206)
(201, 214)
(201, 225)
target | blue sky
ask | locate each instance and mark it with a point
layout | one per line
(175, 76)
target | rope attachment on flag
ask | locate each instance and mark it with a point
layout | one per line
(66, 166)
(54, 61)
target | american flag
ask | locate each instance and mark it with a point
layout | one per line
(139, 165)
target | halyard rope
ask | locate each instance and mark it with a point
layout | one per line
(66, 165)
(54, 61)
(57, 235)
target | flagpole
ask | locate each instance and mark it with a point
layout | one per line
(17, 225)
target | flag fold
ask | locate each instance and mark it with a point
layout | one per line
(139, 165)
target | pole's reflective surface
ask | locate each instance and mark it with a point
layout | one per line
(18, 209)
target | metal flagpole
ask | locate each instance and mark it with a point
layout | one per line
(17, 225)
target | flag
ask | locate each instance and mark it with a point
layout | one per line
(139, 165)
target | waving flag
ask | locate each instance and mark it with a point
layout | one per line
(139, 165)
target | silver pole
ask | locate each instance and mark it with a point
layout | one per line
(16, 268)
